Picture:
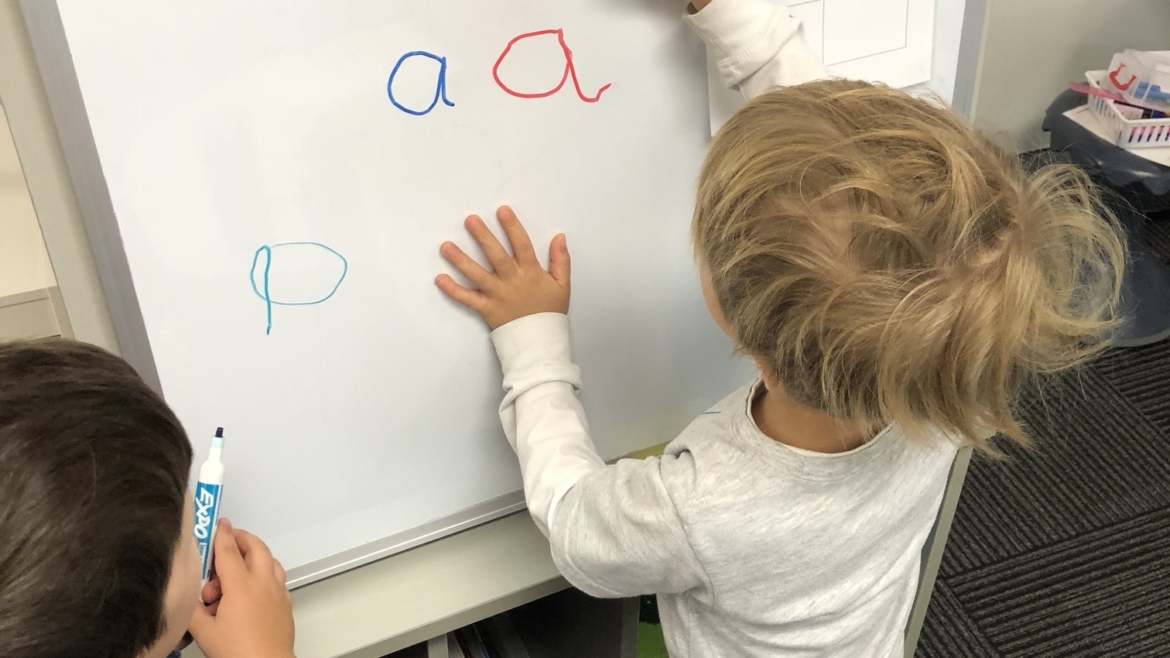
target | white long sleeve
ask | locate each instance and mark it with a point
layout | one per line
(542, 417)
(613, 530)
(753, 45)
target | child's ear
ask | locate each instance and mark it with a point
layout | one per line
(771, 381)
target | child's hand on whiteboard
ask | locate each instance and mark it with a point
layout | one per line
(516, 285)
(253, 618)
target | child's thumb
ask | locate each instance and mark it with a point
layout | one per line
(558, 259)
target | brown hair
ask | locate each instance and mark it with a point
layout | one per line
(93, 481)
(891, 264)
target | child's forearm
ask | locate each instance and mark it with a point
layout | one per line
(758, 45)
(612, 530)
(542, 417)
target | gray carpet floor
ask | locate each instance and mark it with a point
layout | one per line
(1064, 549)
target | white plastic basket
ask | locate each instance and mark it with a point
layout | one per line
(1126, 133)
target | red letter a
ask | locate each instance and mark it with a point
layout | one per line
(570, 71)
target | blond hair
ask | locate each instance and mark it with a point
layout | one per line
(890, 264)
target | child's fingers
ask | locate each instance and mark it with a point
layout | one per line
(282, 578)
(517, 236)
(467, 266)
(499, 257)
(256, 554)
(243, 546)
(559, 265)
(212, 591)
(229, 563)
(472, 299)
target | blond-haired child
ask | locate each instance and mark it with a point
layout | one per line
(894, 275)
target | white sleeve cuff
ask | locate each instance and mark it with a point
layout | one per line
(536, 347)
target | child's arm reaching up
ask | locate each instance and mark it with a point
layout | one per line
(614, 530)
(758, 44)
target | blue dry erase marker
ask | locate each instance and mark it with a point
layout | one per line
(208, 495)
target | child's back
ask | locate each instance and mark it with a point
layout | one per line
(756, 548)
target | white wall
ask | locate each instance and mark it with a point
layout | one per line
(24, 263)
(79, 304)
(1032, 49)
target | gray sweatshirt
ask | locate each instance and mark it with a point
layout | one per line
(754, 548)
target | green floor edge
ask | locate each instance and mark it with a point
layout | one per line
(650, 642)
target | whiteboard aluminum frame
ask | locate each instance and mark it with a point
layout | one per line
(46, 32)
(63, 91)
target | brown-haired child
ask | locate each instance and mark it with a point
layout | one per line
(97, 554)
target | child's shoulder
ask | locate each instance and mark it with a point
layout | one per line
(723, 453)
(710, 434)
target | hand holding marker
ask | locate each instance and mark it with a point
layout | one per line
(248, 611)
(208, 495)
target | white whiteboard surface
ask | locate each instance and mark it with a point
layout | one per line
(887, 41)
(239, 137)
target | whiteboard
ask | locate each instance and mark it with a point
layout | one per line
(266, 185)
